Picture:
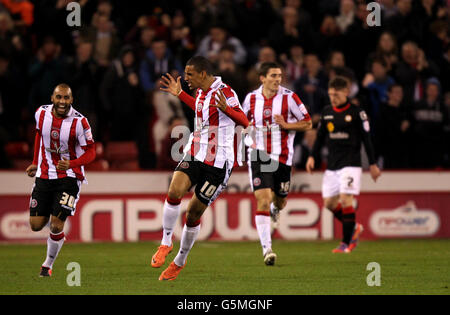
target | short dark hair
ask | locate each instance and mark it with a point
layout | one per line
(338, 83)
(266, 66)
(200, 64)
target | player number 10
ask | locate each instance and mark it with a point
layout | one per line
(208, 190)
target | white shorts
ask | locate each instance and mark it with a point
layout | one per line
(347, 180)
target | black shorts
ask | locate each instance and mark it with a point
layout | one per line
(57, 197)
(268, 173)
(209, 181)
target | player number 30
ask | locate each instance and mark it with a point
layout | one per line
(67, 200)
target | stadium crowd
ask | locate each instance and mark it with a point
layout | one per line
(399, 72)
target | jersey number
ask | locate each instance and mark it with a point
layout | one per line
(285, 187)
(208, 190)
(67, 200)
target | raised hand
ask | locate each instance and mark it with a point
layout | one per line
(221, 101)
(170, 85)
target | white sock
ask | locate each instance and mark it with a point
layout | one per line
(170, 216)
(53, 248)
(187, 241)
(263, 226)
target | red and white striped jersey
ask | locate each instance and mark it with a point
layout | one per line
(61, 137)
(267, 135)
(212, 141)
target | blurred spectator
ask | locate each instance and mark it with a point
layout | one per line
(312, 87)
(294, 64)
(125, 110)
(207, 13)
(181, 41)
(83, 77)
(412, 71)
(387, 50)
(11, 43)
(158, 61)
(376, 83)
(388, 8)
(393, 142)
(230, 71)
(46, 71)
(12, 100)
(165, 160)
(290, 30)
(346, 15)
(106, 42)
(21, 10)
(250, 13)
(428, 127)
(402, 24)
(329, 37)
(211, 44)
(265, 54)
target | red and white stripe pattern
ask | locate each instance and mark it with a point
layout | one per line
(61, 137)
(269, 137)
(212, 141)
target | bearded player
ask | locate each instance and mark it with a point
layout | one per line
(62, 146)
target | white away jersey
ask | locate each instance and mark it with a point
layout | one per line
(61, 137)
(267, 135)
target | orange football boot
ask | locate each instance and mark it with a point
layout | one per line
(159, 257)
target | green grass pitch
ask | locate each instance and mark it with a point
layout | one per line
(233, 268)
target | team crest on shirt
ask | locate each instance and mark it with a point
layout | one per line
(55, 134)
(348, 118)
(330, 127)
(256, 181)
(267, 113)
(233, 102)
(184, 165)
(200, 106)
(33, 203)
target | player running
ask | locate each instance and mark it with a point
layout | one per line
(62, 146)
(208, 159)
(342, 128)
(275, 114)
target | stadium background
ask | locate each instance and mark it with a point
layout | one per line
(399, 73)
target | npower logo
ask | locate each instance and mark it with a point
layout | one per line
(405, 220)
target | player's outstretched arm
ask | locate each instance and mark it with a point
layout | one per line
(301, 125)
(172, 86)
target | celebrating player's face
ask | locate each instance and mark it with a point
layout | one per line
(62, 101)
(338, 97)
(273, 79)
(193, 78)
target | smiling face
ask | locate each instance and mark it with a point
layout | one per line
(62, 100)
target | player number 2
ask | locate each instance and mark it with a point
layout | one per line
(208, 190)
(67, 200)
